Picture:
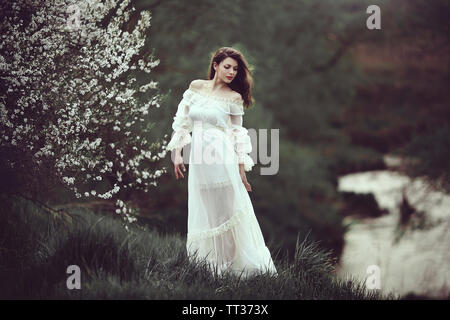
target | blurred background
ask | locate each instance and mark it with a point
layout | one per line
(362, 115)
(343, 97)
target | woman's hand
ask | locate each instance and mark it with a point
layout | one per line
(178, 165)
(244, 177)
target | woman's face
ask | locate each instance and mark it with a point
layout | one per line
(226, 70)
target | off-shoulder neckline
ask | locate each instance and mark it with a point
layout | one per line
(212, 96)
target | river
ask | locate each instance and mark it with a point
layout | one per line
(419, 262)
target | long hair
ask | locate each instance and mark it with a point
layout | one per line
(243, 81)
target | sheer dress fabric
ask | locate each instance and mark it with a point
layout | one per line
(222, 226)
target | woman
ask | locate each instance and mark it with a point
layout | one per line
(222, 227)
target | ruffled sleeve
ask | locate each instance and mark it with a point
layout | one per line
(241, 139)
(182, 124)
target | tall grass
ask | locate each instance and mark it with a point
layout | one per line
(36, 248)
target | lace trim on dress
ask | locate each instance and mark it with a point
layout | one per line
(213, 96)
(214, 185)
(233, 105)
(248, 162)
(214, 232)
(179, 140)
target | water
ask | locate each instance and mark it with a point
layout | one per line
(419, 262)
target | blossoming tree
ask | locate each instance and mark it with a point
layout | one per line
(71, 106)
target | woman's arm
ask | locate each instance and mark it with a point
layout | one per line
(242, 142)
(182, 126)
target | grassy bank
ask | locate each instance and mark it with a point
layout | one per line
(36, 248)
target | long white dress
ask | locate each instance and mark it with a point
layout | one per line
(222, 226)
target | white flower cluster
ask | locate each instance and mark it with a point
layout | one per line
(150, 85)
(127, 213)
(62, 90)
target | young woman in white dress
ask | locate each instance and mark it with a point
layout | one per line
(222, 226)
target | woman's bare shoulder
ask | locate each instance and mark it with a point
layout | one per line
(235, 95)
(197, 84)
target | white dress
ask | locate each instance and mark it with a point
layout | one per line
(222, 226)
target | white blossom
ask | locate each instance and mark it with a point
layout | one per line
(59, 101)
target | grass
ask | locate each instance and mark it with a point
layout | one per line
(36, 248)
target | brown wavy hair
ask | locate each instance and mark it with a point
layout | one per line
(243, 81)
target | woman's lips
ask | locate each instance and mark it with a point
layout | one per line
(230, 78)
